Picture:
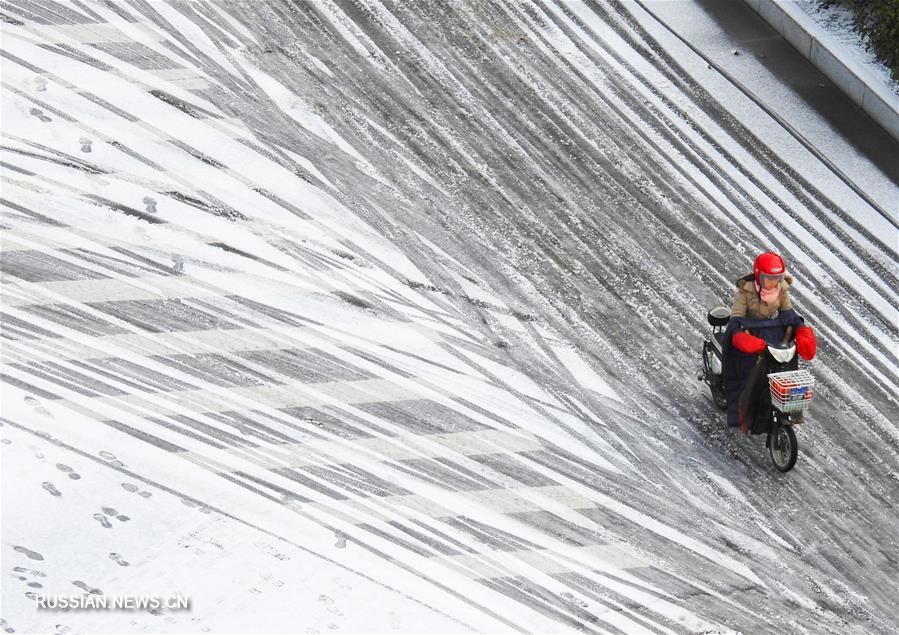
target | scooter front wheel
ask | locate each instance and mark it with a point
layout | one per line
(783, 447)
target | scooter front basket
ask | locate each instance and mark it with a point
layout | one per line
(791, 391)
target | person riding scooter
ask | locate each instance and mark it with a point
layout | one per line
(761, 313)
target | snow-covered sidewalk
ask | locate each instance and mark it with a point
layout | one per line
(826, 38)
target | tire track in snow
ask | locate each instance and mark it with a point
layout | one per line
(706, 160)
(473, 312)
(838, 332)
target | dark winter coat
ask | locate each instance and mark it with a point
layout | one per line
(738, 366)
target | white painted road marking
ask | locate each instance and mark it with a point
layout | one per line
(359, 451)
(608, 557)
(514, 500)
(242, 398)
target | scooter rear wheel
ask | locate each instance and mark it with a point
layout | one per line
(719, 398)
(783, 447)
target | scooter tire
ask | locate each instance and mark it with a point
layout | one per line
(783, 447)
(718, 396)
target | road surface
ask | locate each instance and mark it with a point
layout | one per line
(372, 316)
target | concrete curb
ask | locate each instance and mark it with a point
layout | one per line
(831, 59)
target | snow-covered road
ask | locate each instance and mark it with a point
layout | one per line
(386, 316)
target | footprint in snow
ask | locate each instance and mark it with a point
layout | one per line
(85, 587)
(118, 559)
(35, 403)
(47, 485)
(34, 572)
(37, 453)
(6, 627)
(46, 435)
(33, 585)
(131, 488)
(62, 467)
(37, 112)
(111, 458)
(109, 511)
(150, 202)
(27, 570)
(34, 555)
(40, 84)
(102, 520)
(85, 144)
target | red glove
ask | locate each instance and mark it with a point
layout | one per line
(748, 343)
(805, 342)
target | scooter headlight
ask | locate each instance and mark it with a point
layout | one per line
(782, 355)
